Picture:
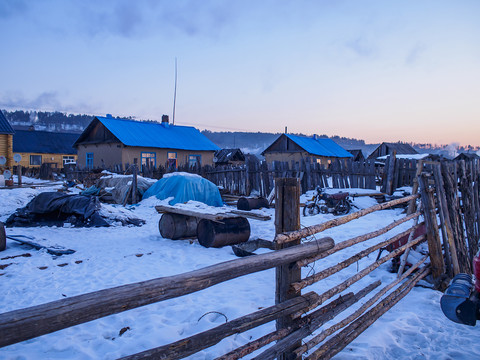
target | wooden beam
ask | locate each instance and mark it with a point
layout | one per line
(24, 324)
(193, 344)
(311, 230)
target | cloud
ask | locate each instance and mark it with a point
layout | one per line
(145, 18)
(361, 46)
(10, 8)
(415, 53)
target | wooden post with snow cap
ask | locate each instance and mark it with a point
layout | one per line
(287, 218)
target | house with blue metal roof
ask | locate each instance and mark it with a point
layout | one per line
(297, 148)
(112, 143)
(40, 147)
(6, 141)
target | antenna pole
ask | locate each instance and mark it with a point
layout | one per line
(175, 92)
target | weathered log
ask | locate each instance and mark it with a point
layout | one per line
(311, 230)
(230, 231)
(324, 334)
(346, 336)
(24, 324)
(433, 236)
(418, 171)
(453, 208)
(203, 340)
(358, 239)
(248, 204)
(314, 320)
(3, 237)
(176, 226)
(255, 345)
(447, 234)
(287, 218)
(353, 279)
(347, 262)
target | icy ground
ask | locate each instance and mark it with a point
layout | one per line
(105, 257)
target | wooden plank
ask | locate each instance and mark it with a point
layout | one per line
(24, 324)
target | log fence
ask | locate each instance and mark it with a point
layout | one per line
(445, 201)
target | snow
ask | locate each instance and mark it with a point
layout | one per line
(406, 156)
(106, 257)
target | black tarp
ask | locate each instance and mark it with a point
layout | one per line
(55, 209)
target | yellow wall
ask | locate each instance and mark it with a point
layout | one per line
(46, 158)
(115, 154)
(6, 145)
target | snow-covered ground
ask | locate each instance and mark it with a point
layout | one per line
(105, 257)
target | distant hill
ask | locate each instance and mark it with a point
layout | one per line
(249, 142)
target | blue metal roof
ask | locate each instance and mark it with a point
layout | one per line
(5, 127)
(165, 136)
(320, 146)
(44, 142)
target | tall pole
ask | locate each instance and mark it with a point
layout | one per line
(174, 93)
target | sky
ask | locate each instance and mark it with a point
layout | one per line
(372, 70)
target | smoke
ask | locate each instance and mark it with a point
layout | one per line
(452, 149)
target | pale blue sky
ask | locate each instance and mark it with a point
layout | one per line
(376, 70)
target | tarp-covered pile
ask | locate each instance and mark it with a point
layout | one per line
(57, 209)
(184, 187)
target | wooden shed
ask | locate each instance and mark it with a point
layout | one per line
(288, 148)
(388, 148)
(229, 157)
(6, 140)
(357, 155)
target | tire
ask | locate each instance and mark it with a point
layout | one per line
(343, 207)
(311, 210)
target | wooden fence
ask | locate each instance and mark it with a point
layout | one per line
(259, 176)
(298, 316)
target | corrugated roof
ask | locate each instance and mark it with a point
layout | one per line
(147, 134)
(320, 146)
(5, 127)
(401, 148)
(44, 142)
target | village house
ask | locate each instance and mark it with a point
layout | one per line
(295, 148)
(44, 147)
(467, 156)
(386, 148)
(6, 141)
(357, 154)
(233, 157)
(111, 143)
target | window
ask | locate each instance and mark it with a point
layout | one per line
(35, 159)
(68, 160)
(149, 159)
(89, 161)
(171, 161)
(194, 160)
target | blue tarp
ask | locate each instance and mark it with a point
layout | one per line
(184, 187)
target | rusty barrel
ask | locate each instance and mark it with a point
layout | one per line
(176, 226)
(229, 231)
(3, 237)
(251, 203)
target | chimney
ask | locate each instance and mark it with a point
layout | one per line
(315, 137)
(164, 119)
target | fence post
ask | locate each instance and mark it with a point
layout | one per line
(433, 236)
(134, 182)
(287, 218)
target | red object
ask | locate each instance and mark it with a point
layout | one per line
(476, 272)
